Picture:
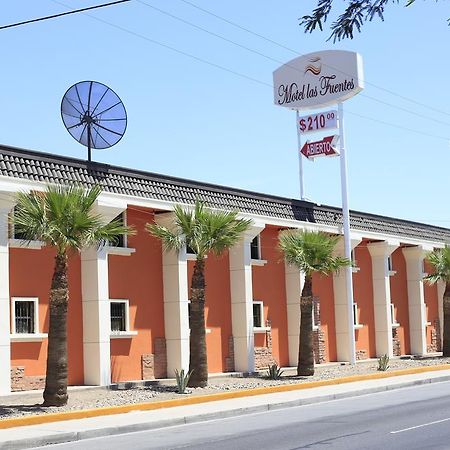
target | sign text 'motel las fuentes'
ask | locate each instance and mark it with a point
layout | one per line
(325, 147)
(318, 79)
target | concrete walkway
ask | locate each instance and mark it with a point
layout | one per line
(74, 430)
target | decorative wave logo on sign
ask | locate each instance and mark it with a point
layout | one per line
(318, 79)
(315, 70)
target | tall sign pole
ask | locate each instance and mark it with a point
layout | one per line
(313, 81)
(300, 159)
(347, 240)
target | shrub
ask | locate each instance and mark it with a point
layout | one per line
(274, 372)
(383, 363)
(182, 380)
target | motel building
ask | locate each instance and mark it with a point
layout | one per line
(129, 305)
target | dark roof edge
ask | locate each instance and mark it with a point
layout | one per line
(94, 165)
(50, 157)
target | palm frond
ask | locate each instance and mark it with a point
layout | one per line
(63, 217)
(311, 251)
(440, 261)
(169, 239)
(202, 229)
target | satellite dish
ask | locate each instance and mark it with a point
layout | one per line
(94, 115)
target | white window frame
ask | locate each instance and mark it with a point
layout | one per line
(262, 328)
(257, 261)
(395, 324)
(125, 250)
(13, 242)
(390, 265)
(356, 324)
(122, 334)
(314, 326)
(425, 314)
(355, 267)
(35, 336)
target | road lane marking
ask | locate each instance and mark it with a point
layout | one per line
(420, 426)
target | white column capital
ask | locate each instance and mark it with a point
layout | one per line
(166, 219)
(418, 252)
(340, 250)
(255, 228)
(109, 209)
(7, 200)
(383, 248)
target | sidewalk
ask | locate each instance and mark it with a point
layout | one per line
(23, 437)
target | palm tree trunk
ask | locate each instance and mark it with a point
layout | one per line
(446, 325)
(198, 362)
(305, 351)
(55, 393)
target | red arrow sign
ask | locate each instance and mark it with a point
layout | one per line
(325, 147)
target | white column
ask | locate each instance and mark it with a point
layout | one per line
(379, 252)
(5, 344)
(96, 317)
(341, 310)
(414, 257)
(176, 300)
(242, 301)
(96, 304)
(295, 280)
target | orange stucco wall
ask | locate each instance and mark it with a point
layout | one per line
(323, 288)
(30, 276)
(217, 309)
(399, 297)
(137, 278)
(363, 297)
(431, 304)
(269, 286)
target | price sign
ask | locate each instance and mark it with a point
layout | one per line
(317, 122)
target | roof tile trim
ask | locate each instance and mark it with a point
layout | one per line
(44, 167)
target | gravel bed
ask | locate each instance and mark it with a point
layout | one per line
(23, 404)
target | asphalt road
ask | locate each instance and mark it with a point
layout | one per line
(411, 418)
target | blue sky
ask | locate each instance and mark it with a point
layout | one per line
(193, 120)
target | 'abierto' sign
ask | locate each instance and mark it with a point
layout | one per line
(318, 79)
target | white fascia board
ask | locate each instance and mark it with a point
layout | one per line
(396, 238)
(10, 184)
(13, 185)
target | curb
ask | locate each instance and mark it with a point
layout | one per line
(60, 438)
(150, 406)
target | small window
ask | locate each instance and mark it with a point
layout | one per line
(258, 315)
(189, 314)
(393, 319)
(389, 263)
(13, 233)
(353, 259)
(356, 316)
(315, 326)
(255, 248)
(25, 319)
(119, 316)
(121, 240)
(189, 250)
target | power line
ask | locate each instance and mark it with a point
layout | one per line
(223, 19)
(219, 36)
(239, 74)
(54, 16)
(161, 44)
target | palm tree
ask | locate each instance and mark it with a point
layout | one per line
(440, 260)
(312, 252)
(63, 218)
(203, 231)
